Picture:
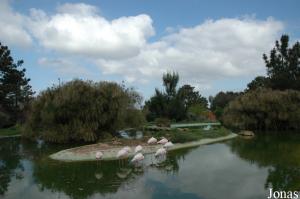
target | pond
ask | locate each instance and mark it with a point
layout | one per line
(235, 169)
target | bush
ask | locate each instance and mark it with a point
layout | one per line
(264, 109)
(82, 111)
(163, 122)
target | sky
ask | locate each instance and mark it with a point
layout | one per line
(213, 45)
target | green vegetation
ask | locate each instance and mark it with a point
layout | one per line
(173, 103)
(15, 91)
(180, 135)
(82, 111)
(14, 130)
(264, 109)
(220, 101)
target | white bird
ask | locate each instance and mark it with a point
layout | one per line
(168, 145)
(162, 141)
(138, 149)
(122, 154)
(127, 148)
(137, 158)
(152, 141)
(99, 155)
(160, 152)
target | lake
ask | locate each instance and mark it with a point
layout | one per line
(235, 169)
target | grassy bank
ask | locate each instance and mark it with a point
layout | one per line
(11, 131)
(179, 135)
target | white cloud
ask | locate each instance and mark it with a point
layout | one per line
(64, 66)
(79, 29)
(213, 50)
(12, 31)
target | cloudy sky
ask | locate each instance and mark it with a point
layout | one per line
(212, 45)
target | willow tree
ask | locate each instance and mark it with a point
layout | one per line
(82, 111)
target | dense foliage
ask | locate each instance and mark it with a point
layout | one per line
(220, 101)
(82, 111)
(15, 91)
(173, 103)
(264, 109)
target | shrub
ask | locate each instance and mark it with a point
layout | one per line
(264, 109)
(82, 111)
(163, 122)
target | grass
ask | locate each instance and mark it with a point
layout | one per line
(10, 131)
(192, 134)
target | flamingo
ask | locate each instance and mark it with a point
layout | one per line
(138, 149)
(137, 158)
(168, 145)
(99, 155)
(160, 152)
(162, 141)
(127, 148)
(122, 154)
(152, 141)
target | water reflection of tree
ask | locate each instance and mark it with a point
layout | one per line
(280, 153)
(9, 162)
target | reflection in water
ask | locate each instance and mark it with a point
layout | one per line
(279, 153)
(236, 169)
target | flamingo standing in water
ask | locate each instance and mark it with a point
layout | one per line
(137, 158)
(99, 155)
(122, 154)
(160, 152)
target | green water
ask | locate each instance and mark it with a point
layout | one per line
(236, 169)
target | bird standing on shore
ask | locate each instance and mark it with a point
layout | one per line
(162, 141)
(168, 145)
(152, 141)
(138, 149)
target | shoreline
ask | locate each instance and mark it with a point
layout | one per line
(9, 136)
(72, 154)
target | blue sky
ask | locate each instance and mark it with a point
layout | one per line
(212, 44)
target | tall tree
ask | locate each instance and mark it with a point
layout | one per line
(283, 65)
(15, 90)
(170, 81)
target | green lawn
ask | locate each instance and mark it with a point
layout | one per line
(192, 134)
(9, 131)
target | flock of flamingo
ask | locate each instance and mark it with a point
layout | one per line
(138, 151)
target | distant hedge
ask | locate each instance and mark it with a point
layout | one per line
(82, 111)
(264, 109)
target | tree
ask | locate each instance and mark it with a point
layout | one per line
(258, 82)
(283, 65)
(82, 111)
(170, 81)
(191, 97)
(220, 101)
(264, 109)
(172, 103)
(15, 91)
